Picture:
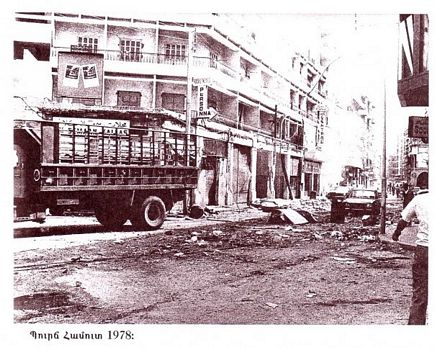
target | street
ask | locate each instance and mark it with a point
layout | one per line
(229, 268)
(236, 178)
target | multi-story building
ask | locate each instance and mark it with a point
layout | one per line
(415, 160)
(397, 161)
(413, 71)
(259, 124)
(352, 157)
(363, 109)
(413, 92)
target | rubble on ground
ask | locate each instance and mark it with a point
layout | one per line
(314, 210)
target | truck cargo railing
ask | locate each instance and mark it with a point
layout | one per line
(95, 157)
(92, 144)
(107, 177)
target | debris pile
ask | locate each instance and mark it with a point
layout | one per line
(352, 230)
(313, 210)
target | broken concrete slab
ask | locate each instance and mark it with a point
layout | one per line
(307, 215)
(287, 215)
(272, 204)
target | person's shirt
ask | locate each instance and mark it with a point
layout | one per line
(419, 207)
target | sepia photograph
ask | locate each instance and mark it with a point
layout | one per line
(217, 178)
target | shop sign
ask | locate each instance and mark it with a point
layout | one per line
(202, 99)
(418, 127)
(203, 110)
(311, 167)
(201, 81)
(94, 126)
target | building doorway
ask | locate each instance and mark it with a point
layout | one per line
(422, 180)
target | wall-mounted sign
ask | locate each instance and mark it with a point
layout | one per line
(418, 127)
(203, 110)
(80, 75)
(201, 81)
(202, 98)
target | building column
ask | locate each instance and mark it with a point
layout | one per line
(197, 197)
(302, 177)
(230, 168)
(272, 172)
(153, 101)
(253, 183)
(288, 167)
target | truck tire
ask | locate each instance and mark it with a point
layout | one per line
(150, 215)
(110, 217)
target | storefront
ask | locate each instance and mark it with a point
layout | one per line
(295, 176)
(311, 172)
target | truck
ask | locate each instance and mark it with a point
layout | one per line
(121, 163)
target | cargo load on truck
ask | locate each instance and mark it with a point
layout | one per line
(123, 163)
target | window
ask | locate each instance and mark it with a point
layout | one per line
(310, 111)
(321, 88)
(292, 99)
(245, 70)
(175, 53)
(293, 131)
(310, 79)
(131, 50)
(128, 98)
(174, 102)
(88, 44)
(213, 60)
(301, 102)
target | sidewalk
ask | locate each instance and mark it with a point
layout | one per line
(88, 224)
(407, 237)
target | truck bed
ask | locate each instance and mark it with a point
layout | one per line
(111, 156)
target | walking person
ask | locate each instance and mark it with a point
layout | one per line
(397, 190)
(408, 195)
(418, 207)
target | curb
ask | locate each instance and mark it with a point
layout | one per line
(384, 239)
(406, 240)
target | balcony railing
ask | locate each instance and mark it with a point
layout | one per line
(155, 58)
(159, 58)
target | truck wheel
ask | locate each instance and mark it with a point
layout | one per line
(150, 214)
(110, 218)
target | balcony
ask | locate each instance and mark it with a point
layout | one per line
(206, 62)
(154, 58)
(275, 98)
(158, 63)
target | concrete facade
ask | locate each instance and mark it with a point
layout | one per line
(268, 123)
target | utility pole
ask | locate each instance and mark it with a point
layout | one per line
(384, 166)
(190, 49)
(191, 37)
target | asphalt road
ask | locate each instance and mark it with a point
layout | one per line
(234, 268)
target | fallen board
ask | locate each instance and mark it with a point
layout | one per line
(291, 215)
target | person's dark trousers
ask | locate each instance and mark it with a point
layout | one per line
(417, 315)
